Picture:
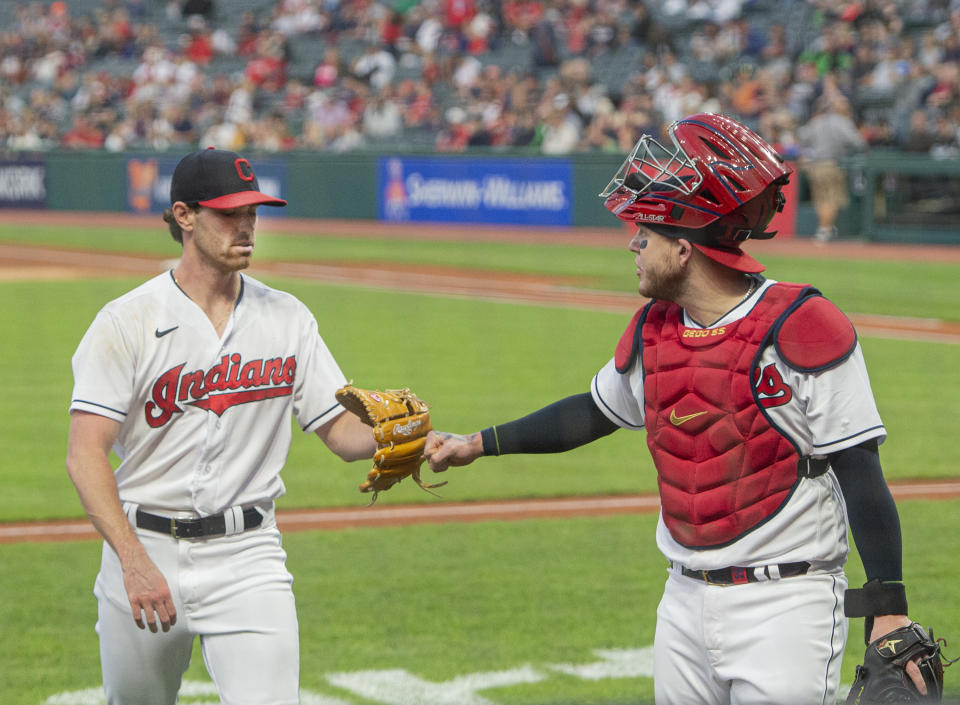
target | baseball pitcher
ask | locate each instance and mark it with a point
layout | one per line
(192, 378)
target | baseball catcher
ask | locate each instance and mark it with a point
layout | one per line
(400, 422)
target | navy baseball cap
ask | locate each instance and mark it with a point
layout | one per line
(217, 178)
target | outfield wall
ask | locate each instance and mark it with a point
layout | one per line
(894, 196)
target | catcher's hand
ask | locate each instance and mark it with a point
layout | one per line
(400, 422)
(883, 676)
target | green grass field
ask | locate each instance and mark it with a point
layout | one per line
(532, 601)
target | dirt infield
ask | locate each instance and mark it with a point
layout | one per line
(33, 263)
(384, 514)
(598, 237)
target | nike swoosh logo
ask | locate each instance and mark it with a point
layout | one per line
(160, 333)
(677, 420)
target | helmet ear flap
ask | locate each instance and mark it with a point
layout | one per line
(780, 201)
(750, 220)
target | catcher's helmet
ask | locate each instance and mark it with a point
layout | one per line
(718, 186)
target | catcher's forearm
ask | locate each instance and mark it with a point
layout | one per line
(564, 425)
(874, 520)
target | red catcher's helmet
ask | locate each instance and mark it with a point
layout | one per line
(718, 186)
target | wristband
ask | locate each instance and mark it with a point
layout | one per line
(491, 443)
(875, 598)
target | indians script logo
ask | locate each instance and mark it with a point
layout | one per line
(226, 384)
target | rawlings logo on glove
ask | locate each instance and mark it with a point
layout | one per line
(400, 422)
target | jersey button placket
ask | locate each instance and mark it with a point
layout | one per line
(204, 487)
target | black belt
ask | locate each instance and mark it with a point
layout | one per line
(736, 576)
(215, 525)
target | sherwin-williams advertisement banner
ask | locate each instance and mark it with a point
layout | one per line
(464, 190)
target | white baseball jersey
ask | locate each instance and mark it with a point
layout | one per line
(205, 419)
(827, 412)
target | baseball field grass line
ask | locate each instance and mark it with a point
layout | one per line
(336, 518)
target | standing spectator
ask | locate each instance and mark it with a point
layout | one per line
(457, 13)
(826, 139)
(919, 136)
(546, 47)
(946, 139)
(391, 31)
(183, 129)
(83, 134)
(267, 69)
(480, 33)
(329, 70)
(561, 128)
(376, 66)
(382, 118)
(802, 92)
(346, 138)
(199, 44)
(272, 134)
(326, 113)
(247, 34)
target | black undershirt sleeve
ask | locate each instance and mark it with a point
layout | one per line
(564, 425)
(874, 520)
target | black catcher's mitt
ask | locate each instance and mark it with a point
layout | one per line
(883, 677)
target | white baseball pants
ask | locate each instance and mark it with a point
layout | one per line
(779, 641)
(234, 592)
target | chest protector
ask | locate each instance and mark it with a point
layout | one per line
(723, 467)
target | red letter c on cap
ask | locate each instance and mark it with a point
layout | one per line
(244, 170)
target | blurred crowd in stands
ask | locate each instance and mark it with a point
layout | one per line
(550, 77)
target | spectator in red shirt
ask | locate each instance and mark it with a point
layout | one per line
(199, 47)
(268, 69)
(328, 71)
(458, 12)
(82, 134)
(391, 30)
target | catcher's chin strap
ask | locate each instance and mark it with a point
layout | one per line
(875, 598)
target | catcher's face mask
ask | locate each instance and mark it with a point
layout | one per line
(651, 166)
(717, 185)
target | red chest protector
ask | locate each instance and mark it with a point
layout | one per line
(723, 467)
